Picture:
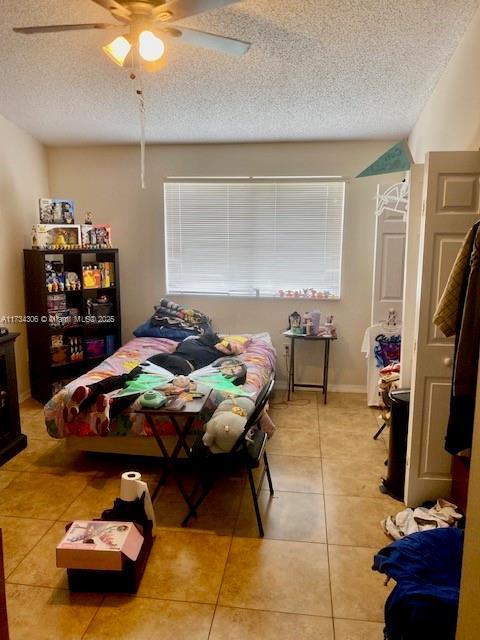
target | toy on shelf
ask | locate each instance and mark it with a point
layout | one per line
(76, 348)
(56, 211)
(95, 347)
(98, 275)
(55, 237)
(72, 281)
(310, 294)
(295, 323)
(96, 236)
(309, 325)
(58, 350)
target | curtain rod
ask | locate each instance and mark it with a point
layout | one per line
(255, 178)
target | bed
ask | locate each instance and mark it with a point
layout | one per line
(130, 432)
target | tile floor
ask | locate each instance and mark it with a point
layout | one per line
(310, 578)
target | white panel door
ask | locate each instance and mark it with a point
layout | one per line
(388, 269)
(450, 208)
(411, 272)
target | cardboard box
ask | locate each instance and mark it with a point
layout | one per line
(56, 236)
(127, 579)
(99, 545)
(96, 236)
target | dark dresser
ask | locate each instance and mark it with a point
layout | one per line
(11, 438)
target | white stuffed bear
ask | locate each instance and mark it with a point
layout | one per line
(227, 424)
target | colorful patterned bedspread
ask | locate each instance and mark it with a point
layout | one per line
(259, 358)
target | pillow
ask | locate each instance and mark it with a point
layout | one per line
(148, 330)
(235, 345)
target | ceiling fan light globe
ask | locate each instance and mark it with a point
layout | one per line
(150, 47)
(118, 50)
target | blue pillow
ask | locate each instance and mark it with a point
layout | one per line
(148, 330)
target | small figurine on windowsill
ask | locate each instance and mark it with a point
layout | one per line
(88, 217)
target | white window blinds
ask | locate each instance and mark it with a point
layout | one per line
(253, 238)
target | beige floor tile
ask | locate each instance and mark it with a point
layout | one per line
(285, 516)
(347, 420)
(40, 495)
(217, 514)
(275, 575)
(6, 477)
(356, 521)
(30, 405)
(242, 624)
(352, 477)
(58, 460)
(347, 400)
(358, 593)
(295, 442)
(295, 473)
(20, 535)
(36, 613)
(341, 445)
(51, 456)
(131, 618)
(35, 449)
(185, 565)
(357, 630)
(33, 425)
(295, 416)
(38, 568)
(281, 395)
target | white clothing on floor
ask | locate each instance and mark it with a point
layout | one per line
(443, 514)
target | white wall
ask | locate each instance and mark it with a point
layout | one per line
(106, 181)
(450, 120)
(23, 179)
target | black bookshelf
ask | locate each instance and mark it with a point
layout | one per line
(47, 374)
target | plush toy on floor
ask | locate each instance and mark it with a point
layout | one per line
(227, 424)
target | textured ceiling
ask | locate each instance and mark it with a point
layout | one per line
(317, 70)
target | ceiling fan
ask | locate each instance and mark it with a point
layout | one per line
(146, 20)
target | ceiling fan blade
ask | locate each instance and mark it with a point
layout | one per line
(207, 40)
(116, 9)
(67, 27)
(176, 9)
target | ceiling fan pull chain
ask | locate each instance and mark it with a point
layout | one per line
(141, 106)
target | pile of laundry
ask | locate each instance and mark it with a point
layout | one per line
(443, 514)
(173, 316)
(426, 567)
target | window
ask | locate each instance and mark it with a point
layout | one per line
(255, 237)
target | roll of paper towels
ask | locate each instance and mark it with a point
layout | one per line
(131, 487)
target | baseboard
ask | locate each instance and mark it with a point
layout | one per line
(25, 395)
(339, 388)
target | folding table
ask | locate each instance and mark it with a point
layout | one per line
(188, 414)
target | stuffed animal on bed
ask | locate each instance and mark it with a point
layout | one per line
(227, 424)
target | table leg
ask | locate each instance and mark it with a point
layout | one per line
(326, 359)
(291, 372)
(169, 459)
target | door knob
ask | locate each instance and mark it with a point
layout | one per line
(447, 362)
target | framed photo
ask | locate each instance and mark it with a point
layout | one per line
(55, 211)
(96, 236)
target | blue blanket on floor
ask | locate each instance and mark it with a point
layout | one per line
(426, 567)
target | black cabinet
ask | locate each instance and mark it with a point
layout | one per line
(11, 438)
(72, 306)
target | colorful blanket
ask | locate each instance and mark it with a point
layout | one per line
(259, 358)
